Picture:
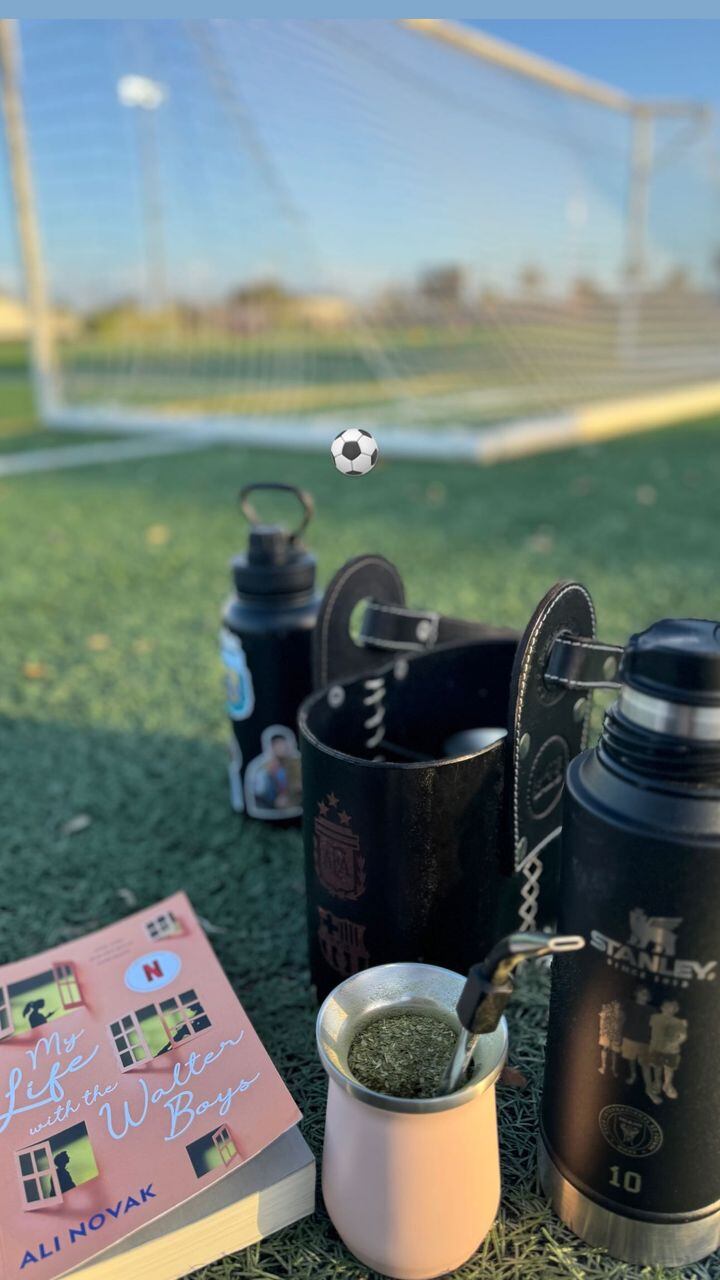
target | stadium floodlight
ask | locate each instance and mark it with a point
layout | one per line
(141, 91)
(148, 95)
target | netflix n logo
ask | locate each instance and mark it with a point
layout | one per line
(152, 971)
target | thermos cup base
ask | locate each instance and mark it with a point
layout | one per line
(401, 1273)
(674, 1242)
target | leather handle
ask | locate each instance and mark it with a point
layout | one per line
(581, 662)
(393, 627)
(336, 655)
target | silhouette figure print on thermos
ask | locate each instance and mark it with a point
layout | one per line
(668, 1034)
(646, 1037)
(33, 1011)
(636, 1038)
(610, 1036)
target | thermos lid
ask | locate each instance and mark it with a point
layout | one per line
(276, 562)
(676, 660)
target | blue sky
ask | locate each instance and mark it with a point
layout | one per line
(351, 156)
(662, 58)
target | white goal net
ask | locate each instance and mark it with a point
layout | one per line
(280, 227)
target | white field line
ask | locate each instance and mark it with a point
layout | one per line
(308, 434)
(486, 445)
(91, 455)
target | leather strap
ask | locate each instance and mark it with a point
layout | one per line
(397, 629)
(387, 627)
(548, 726)
(336, 655)
(578, 662)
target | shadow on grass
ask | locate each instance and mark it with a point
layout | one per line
(159, 821)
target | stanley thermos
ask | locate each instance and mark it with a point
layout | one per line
(265, 641)
(630, 1140)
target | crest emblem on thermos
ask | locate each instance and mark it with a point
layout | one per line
(630, 1131)
(342, 943)
(339, 863)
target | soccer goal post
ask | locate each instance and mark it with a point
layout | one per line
(266, 230)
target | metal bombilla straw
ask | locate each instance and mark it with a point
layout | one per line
(488, 988)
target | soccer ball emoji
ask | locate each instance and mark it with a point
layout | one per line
(354, 452)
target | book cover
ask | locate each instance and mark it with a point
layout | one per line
(130, 1080)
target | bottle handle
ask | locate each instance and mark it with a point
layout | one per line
(302, 496)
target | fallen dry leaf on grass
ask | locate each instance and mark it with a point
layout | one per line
(128, 897)
(513, 1078)
(541, 541)
(80, 822)
(35, 670)
(646, 495)
(157, 535)
(209, 927)
(435, 495)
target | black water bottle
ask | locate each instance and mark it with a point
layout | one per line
(630, 1129)
(265, 641)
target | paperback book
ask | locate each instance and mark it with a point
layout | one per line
(143, 1127)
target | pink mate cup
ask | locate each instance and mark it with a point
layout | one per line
(412, 1185)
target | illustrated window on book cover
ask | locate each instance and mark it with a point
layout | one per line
(155, 1029)
(165, 925)
(39, 1000)
(214, 1150)
(48, 1170)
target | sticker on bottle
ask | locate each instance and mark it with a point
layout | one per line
(235, 762)
(273, 783)
(239, 691)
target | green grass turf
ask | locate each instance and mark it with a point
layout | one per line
(17, 415)
(128, 729)
(18, 425)
(19, 429)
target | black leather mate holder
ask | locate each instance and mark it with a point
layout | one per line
(412, 854)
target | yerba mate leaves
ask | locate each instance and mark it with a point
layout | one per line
(403, 1054)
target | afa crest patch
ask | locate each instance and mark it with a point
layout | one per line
(339, 863)
(239, 691)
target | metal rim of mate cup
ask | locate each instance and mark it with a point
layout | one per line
(365, 1149)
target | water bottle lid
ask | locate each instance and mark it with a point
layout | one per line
(276, 562)
(676, 660)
